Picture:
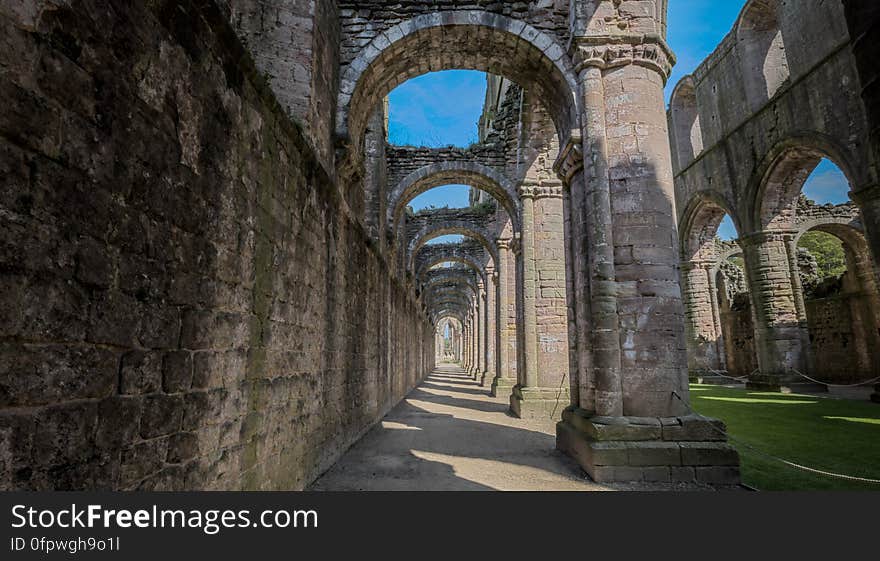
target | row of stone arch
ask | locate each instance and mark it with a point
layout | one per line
(747, 128)
(574, 304)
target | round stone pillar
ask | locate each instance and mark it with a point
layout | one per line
(633, 422)
(702, 325)
(781, 334)
(491, 325)
(504, 381)
(543, 390)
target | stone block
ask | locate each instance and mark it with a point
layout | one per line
(613, 428)
(118, 421)
(708, 454)
(64, 434)
(653, 453)
(682, 474)
(693, 428)
(142, 459)
(718, 475)
(177, 372)
(182, 447)
(162, 414)
(141, 373)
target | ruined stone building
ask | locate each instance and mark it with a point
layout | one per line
(211, 279)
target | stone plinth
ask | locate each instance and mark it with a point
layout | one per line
(533, 403)
(502, 387)
(689, 449)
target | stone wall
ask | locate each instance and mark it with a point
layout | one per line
(190, 303)
(739, 338)
(295, 45)
(403, 160)
(834, 338)
(818, 107)
(363, 20)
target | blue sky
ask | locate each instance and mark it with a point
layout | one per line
(437, 109)
(696, 27)
(442, 108)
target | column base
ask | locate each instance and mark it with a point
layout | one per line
(502, 387)
(486, 378)
(687, 449)
(783, 383)
(538, 403)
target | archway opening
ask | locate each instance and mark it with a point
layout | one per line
(841, 303)
(438, 109)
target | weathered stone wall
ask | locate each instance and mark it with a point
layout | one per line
(295, 45)
(403, 160)
(739, 338)
(188, 302)
(835, 338)
(779, 93)
(818, 107)
(364, 20)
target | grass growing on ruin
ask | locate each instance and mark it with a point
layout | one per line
(837, 435)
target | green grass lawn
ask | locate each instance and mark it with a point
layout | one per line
(837, 435)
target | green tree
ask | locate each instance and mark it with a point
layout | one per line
(828, 251)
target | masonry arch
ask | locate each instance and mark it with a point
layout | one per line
(446, 40)
(704, 284)
(701, 218)
(451, 227)
(476, 175)
(686, 122)
(450, 255)
(842, 310)
(779, 179)
(762, 50)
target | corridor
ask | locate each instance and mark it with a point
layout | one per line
(450, 435)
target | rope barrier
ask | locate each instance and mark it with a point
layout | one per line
(777, 458)
(741, 379)
(866, 383)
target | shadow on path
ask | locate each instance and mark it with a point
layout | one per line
(448, 436)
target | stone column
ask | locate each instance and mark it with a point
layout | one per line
(702, 328)
(472, 342)
(466, 344)
(479, 332)
(636, 425)
(720, 349)
(781, 335)
(491, 324)
(546, 389)
(504, 381)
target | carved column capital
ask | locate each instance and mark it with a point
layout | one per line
(611, 51)
(540, 190)
(762, 236)
(570, 160)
